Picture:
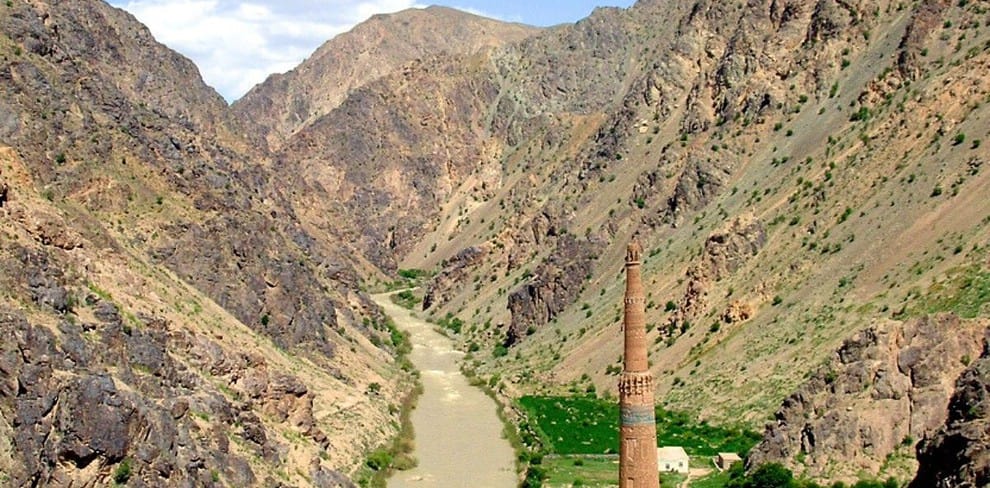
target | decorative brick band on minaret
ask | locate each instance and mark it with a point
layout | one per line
(638, 436)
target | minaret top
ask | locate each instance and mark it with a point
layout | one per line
(633, 253)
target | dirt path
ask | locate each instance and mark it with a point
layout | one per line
(694, 473)
(458, 434)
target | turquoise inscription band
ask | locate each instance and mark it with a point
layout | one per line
(637, 415)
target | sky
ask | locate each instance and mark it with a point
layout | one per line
(237, 44)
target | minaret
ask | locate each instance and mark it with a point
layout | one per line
(638, 436)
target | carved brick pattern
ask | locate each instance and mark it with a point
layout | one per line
(636, 384)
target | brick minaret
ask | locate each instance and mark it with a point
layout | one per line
(638, 436)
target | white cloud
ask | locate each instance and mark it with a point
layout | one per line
(490, 15)
(237, 44)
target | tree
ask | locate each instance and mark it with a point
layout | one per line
(770, 475)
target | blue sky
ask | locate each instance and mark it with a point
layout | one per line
(237, 44)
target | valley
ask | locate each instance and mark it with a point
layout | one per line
(808, 179)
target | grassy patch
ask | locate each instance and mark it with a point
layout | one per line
(408, 278)
(714, 480)
(395, 456)
(966, 293)
(407, 299)
(581, 471)
(589, 425)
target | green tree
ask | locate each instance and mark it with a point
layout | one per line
(770, 475)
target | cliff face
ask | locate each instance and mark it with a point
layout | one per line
(956, 455)
(553, 285)
(145, 147)
(880, 393)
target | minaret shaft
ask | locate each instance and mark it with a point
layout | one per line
(635, 321)
(638, 435)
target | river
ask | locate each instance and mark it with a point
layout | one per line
(459, 440)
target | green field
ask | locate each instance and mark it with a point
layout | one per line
(566, 471)
(590, 425)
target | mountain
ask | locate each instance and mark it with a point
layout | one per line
(286, 103)
(799, 171)
(808, 177)
(165, 316)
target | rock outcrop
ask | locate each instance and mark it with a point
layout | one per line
(70, 417)
(957, 455)
(725, 251)
(109, 401)
(890, 385)
(553, 286)
(4, 192)
(452, 275)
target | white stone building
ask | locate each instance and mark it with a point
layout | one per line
(672, 459)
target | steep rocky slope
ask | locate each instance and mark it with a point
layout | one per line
(436, 135)
(286, 103)
(154, 275)
(115, 368)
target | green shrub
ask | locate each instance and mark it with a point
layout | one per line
(379, 459)
(862, 114)
(535, 476)
(123, 472)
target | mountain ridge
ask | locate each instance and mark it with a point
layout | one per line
(285, 103)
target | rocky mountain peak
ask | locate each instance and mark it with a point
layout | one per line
(286, 103)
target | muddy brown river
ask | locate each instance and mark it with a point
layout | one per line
(459, 439)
